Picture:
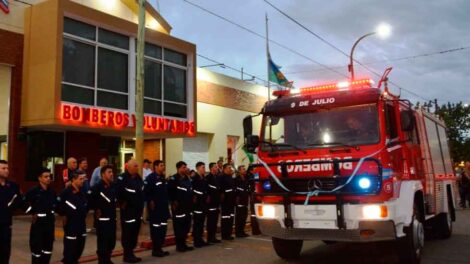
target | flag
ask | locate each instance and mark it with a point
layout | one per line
(275, 75)
(249, 155)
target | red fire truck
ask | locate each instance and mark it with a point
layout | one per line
(350, 161)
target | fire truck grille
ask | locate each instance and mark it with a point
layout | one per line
(326, 184)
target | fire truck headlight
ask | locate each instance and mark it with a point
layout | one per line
(267, 211)
(375, 211)
(267, 185)
(364, 183)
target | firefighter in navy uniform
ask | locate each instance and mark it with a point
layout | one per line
(103, 200)
(131, 200)
(181, 199)
(10, 199)
(73, 206)
(213, 203)
(243, 196)
(40, 202)
(156, 196)
(227, 199)
(200, 204)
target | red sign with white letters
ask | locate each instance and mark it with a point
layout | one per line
(96, 117)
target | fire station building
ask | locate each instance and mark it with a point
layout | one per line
(67, 88)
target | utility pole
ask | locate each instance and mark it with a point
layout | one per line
(139, 95)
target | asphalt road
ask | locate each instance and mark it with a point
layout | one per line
(258, 250)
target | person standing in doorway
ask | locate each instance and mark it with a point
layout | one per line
(67, 172)
(41, 202)
(103, 201)
(181, 200)
(156, 196)
(131, 201)
(10, 199)
(96, 175)
(146, 168)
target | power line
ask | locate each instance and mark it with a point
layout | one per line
(338, 49)
(263, 37)
(442, 52)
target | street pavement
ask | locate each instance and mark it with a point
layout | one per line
(257, 249)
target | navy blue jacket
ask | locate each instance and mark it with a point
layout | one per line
(40, 202)
(156, 191)
(73, 205)
(10, 199)
(103, 197)
(180, 191)
(130, 196)
(200, 193)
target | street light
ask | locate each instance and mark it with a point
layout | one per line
(383, 31)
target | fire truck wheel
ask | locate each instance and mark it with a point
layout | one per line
(443, 223)
(411, 246)
(287, 249)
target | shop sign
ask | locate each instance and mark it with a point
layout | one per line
(5, 6)
(96, 117)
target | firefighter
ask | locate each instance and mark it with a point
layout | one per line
(131, 201)
(243, 195)
(103, 200)
(41, 203)
(10, 199)
(180, 195)
(73, 206)
(213, 203)
(156, 196)
(200, 206)
(254, 222)
(227, 199)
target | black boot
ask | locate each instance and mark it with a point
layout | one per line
(129, 257)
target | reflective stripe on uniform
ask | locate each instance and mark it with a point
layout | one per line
(130, 190)
(36, 255)
(240, 189)
(84, 235)
(158, 183)
(71, 237)
(29, 209)
(180, 216)
(155, 225)
(12, 199)
(163, 224)
(181, 188)
(212, 209)
(47, 252)
(228, 190)
(212, 186)
(104, 219)
(130, 221)
(241, 205)
(198, 192)
(197, 212)
(42, 215)
(105, 197)
(226, 216)
(71, 205)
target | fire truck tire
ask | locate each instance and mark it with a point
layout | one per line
(287, 249)
(411, 246)
(443, 223)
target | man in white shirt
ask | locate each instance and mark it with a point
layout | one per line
(146, 168)
(96, 176)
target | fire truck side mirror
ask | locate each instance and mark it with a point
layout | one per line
(247, 126)
(407, 120)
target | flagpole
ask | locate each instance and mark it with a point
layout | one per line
(267, 58)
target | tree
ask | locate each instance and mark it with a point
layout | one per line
(457, 119)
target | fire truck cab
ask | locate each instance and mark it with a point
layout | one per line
(350, 162)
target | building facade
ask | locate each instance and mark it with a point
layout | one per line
(67, 88)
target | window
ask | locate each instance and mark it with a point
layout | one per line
(95, 71)
(45, 149)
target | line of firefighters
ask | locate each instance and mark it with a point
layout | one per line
(193, 200)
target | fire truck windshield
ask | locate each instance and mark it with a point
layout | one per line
(346, 126)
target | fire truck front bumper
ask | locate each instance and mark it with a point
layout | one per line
(360, 222)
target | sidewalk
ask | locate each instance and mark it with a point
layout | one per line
(20, 239)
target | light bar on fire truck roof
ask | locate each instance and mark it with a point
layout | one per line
(340, 86)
